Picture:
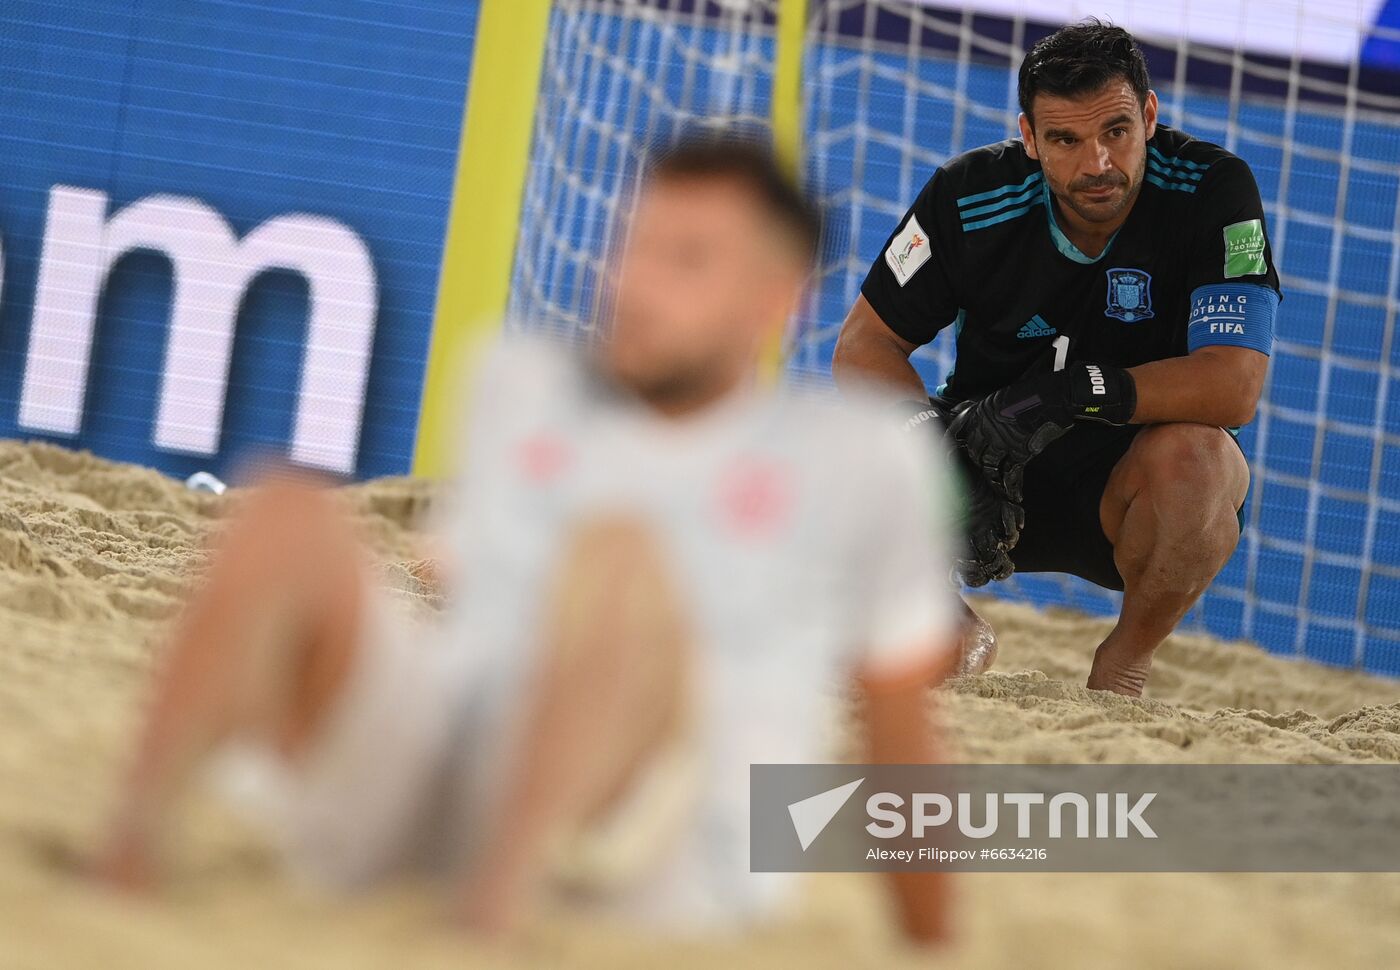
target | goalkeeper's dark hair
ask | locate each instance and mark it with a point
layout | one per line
(749, 162)
(1080, 59)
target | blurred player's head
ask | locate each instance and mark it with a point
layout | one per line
(1087, 113)
(717, 252)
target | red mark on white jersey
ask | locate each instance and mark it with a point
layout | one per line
(543, 457)
(755, 497)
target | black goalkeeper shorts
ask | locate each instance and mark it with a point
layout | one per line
(1061, 490)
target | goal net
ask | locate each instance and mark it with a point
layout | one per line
(1300, 89)
(619, 81)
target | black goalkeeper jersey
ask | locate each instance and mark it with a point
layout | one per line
(980, 250)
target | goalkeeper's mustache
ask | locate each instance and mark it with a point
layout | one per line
(1112, 181)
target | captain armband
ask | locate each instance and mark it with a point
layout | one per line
(1232, 315)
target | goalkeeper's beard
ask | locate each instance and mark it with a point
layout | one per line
(1131, 188)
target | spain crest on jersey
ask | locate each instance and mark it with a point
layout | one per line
(1129, 295)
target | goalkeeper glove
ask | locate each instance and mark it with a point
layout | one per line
(1002, 432)
(990, 525)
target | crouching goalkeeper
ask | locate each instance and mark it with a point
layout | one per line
(1113, 294)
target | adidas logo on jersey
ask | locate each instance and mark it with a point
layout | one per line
(1036, 327)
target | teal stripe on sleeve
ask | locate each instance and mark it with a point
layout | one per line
(1180, 174)
(1002, 217)
(1173, 160)
(1170, 186)
(993, 193)
(1000, 203)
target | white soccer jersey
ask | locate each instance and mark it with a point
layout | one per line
(807, 538)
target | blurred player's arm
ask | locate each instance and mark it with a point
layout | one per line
(896, 711)
(910, 630)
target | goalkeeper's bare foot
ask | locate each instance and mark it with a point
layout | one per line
(1119, 670)
(977, 650)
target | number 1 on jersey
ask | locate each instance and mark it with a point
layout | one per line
(1061, 345)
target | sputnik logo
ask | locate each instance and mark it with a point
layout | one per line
(811, 816)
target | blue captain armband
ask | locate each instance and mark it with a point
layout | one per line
(1232, 315)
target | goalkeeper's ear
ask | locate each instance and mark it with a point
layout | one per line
(1149, 113)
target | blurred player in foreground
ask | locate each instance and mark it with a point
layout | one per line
(659, 574)
(1113, 293)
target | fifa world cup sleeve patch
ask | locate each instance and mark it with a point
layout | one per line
(1244, 249)
(908, 251)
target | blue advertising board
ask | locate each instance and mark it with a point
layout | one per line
(259, 186)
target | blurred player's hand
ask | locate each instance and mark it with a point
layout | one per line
(991, 525)
(1002, 432)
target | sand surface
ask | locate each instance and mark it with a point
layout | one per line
(94, 557)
